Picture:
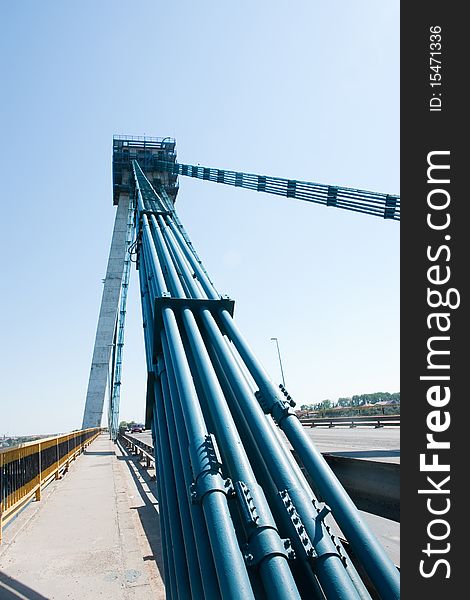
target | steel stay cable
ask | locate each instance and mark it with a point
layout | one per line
(226, 552)
(231, 446)
(173, 462)
(206, 562)
(224, 544)
(334, 571)
(203, 549)
(168, 562)
(183, 271)
(367, 548)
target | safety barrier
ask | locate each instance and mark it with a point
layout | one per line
(27, 468)
(138, 447)
(376, 421)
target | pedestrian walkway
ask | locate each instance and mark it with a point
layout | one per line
(95, 534)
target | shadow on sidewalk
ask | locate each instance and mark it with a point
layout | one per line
(11, 589)
(148, 514)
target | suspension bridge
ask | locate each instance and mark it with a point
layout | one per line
(246, 500)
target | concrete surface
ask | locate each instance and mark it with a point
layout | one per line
(95, 534)
(98, 379)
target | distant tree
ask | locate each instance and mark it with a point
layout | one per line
(324, 405)
(355, 404)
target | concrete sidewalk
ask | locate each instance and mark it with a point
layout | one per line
(95, 534)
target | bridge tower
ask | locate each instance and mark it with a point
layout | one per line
(239, 518)
(149, 152)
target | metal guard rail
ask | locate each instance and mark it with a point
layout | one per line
(377, 421)
(27, 468)
(138, 447)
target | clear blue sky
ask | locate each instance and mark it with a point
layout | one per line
(300, 89)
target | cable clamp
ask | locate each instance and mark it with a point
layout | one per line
(209, 478)
(289, 398)
(207, 482)
(264, 544)
(322, 513)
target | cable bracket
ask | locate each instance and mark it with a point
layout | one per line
(275, 406)
(247, 505)
(302, 535)
(320, 518)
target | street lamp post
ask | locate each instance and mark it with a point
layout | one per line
(280, 361)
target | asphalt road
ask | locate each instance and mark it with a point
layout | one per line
(381, 444)
(360, 442)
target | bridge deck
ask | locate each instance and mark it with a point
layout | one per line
(95, 534)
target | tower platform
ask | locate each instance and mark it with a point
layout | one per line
(149, 152)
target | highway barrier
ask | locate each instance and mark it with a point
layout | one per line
(27, 468)
(376, 421)
(143, 451)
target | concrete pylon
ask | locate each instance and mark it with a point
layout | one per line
(98, 380)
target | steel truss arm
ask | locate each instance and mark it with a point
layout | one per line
(378, 204)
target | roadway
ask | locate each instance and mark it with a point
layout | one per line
(382, 444)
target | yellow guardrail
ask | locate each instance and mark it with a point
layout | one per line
(27, 468)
